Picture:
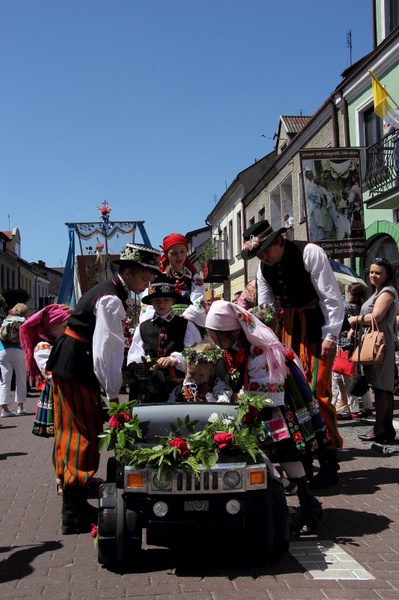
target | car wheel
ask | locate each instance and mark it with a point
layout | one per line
(280, 512)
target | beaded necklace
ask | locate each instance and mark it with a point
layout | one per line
(229, 362)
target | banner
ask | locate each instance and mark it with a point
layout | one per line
(331, 181)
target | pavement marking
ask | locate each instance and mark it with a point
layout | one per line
(326, 560)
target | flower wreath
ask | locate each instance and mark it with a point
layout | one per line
(202, 356)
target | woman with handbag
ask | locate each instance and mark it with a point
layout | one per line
(381, 307)
(347, 404)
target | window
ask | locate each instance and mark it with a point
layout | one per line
(251, 221)
(239, 232)
(225, 243)
(373, 127)
(392, 16)
(230, 240)
(261, 214)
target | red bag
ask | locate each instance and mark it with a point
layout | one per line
(342, 364)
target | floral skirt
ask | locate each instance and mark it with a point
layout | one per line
(43, 425)
(296, 428)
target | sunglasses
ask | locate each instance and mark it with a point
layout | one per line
(381, 261)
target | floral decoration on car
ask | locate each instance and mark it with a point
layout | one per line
(185, 448)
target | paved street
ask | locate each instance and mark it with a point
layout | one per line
(355, 554)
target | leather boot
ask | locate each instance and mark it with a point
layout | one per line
(328, 472)
(307, 461)
(77, 514)
(311, 510)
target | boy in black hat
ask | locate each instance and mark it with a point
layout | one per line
(86, 358)
(299, 276)
(163, 337)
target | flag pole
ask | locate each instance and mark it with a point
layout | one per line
(385, 89)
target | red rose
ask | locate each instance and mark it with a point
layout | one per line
(117, 421)
(258, 351)
(251, 414)
(94, 530)
(272, 388)
(223, 440)
(180, 444)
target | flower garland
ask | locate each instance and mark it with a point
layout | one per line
(191, 450)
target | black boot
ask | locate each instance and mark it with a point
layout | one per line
(77, 514)
(307, 461)
(328, 472)
(310, 506)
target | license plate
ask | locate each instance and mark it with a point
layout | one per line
(196, 505)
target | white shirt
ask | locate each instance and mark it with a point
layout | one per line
(109, 343)
(316, 263)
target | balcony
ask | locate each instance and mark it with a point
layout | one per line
(381, 176)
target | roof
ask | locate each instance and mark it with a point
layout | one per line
(294, 125)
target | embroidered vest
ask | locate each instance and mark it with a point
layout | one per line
(161, 338)
(291, 282)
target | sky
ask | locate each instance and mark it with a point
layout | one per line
(152, 105)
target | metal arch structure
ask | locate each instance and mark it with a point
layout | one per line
(105, 229)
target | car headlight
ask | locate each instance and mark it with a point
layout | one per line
(231, 479)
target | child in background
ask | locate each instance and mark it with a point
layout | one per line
(180, 271)
(204, 381)
(162, 338)
(37, 336)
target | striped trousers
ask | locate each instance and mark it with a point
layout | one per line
(77, 424)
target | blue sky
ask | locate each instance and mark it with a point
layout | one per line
(152, 105)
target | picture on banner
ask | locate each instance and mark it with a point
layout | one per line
(333, 200)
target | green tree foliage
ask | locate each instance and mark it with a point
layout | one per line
(12, 297)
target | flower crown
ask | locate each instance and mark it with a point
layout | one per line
(202, 356)
(139, 255)
(265, 313)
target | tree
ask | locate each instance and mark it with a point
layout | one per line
(12, 297)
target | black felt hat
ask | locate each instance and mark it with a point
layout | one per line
(161, 287)
(258, 237)
(145, 256)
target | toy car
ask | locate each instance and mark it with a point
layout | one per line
(234, 497)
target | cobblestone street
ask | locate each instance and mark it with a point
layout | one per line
(355, 554)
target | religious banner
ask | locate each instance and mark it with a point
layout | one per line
(332, 190)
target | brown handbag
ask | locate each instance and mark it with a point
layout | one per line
(371, 348)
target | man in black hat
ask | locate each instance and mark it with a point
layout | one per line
(88, 357)
(162, 338)
(297, 276)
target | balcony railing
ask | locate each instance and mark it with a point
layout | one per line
(381, 175)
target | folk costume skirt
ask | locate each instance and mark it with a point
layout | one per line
(43, 425)
(77, 424)
(297, 428)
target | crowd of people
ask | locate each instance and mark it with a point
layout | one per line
(277, 339)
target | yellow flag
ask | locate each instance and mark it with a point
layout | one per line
(382, 106)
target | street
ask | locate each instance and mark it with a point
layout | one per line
(355, 554)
